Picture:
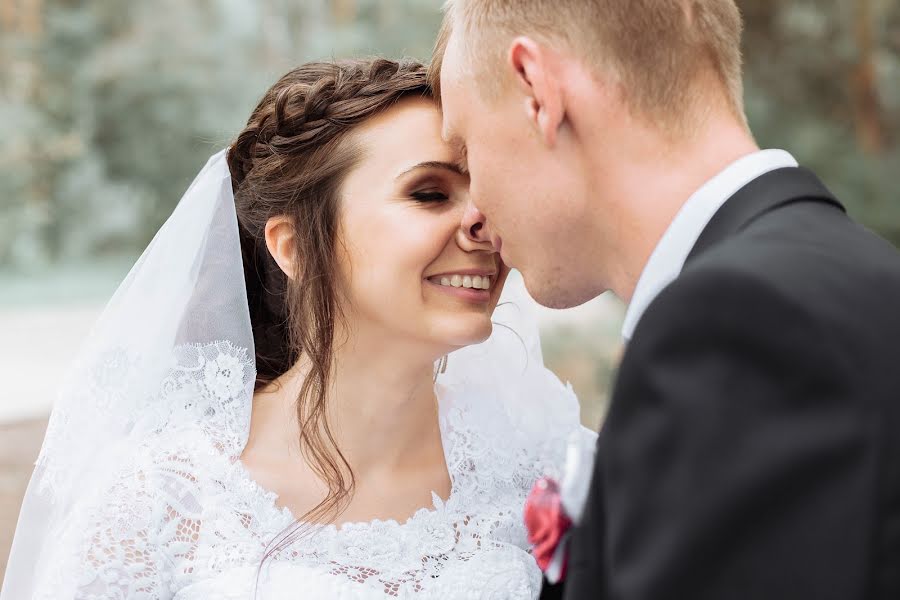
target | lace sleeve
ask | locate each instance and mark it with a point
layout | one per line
(134, 541)
(123, 558)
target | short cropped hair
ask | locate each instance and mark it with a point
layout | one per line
(657, 50)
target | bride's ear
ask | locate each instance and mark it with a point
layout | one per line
(535, 70)
(281, 243)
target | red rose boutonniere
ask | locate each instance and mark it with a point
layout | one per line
(548, 525)
(552, 508)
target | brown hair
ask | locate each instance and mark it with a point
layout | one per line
(656, 49)
(291, 160)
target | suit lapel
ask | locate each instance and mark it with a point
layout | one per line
(765, 193)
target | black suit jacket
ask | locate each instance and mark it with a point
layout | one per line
(752, 448)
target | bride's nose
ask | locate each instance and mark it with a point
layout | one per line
(473, 233)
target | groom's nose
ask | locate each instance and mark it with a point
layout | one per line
(474, 226)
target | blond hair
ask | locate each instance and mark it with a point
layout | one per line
(656, 50)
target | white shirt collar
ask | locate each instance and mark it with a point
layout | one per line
(672, 250)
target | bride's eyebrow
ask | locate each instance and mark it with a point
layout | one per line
(433, 164)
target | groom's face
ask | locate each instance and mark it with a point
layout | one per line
(532, 196)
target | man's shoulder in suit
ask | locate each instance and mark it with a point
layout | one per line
(816, 256)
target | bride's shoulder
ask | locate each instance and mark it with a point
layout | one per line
(522, 430)
(184, 461)
(130, 514)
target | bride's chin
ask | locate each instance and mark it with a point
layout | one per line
(469, 331)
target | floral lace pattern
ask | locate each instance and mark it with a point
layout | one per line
(180, 517)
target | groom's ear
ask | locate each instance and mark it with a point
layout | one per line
(535, 72)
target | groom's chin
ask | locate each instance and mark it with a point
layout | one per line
(556, 294)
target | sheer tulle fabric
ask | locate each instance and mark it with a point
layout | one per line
(138, 491)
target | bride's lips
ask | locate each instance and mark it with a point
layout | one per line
(470, 294)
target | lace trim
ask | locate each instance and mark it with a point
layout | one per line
(206, 386)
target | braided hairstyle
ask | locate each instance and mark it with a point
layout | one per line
(290, 160)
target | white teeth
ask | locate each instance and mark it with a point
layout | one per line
(475, 282)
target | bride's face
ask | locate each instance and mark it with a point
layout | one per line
(407, 269)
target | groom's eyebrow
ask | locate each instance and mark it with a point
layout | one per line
(433, 164)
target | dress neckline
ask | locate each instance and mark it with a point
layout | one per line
(440, 506)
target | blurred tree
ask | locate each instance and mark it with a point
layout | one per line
(823, 81)
(344, 11)
(106, 112)
(865, 83)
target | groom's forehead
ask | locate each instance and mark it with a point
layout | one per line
(450, 135)
(453, 62)
(452, 93)
(449, 116)
(451, 127)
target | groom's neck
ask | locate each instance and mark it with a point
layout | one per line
(656, 180)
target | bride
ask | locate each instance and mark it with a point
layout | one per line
(291, 395)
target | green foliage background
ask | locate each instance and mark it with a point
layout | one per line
(108, 109)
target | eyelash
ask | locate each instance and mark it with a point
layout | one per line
(426, 197)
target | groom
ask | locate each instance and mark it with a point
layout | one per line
(752, 448)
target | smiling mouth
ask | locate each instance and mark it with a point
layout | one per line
(458, 280)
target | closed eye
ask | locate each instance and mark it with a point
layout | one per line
(429, 196)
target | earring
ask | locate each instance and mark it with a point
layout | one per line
(441, 367)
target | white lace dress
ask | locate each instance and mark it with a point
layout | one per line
(184, 520)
